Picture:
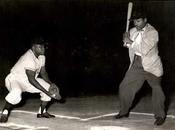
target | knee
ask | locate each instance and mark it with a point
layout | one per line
(14, 97)
(45, 97)
(122, 88)
(13, 100)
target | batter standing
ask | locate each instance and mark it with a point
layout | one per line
(145, 65)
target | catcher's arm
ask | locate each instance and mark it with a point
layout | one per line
(53, 90)
(44, 75)
(35, 83)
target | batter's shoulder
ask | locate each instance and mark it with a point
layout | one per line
(150, 28)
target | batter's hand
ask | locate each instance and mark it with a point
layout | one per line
(126, 38)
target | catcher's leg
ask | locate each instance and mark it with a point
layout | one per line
(43, 111)
(13, 98)
(5, 112)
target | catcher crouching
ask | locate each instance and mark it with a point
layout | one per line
(23, 77)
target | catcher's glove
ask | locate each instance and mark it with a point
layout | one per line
(54, 92)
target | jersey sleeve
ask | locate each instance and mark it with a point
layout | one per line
(42, 60)
(29, 64)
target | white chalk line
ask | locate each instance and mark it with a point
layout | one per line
(20, 127)
(113, 114)
(109, 128)
(91, 118)
(34, 113)
(27, 127)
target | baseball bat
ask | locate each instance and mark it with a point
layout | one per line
(130, 5)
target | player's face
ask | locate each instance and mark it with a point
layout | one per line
(140, 23)
(39, 49)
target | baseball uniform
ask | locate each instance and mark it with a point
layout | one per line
(17, 81)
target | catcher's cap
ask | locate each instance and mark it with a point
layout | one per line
(39, 40)
(138, 14)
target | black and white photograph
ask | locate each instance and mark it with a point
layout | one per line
(87, 65)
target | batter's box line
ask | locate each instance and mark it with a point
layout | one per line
(91, 118)
(15, 126)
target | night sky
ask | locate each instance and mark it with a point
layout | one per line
(85, 55)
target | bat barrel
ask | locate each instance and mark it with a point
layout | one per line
(130, 5)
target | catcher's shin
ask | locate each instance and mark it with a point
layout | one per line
(54, 91)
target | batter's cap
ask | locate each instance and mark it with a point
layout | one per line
(137, 15)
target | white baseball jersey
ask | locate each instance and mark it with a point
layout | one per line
(28, 61)
(17, 81)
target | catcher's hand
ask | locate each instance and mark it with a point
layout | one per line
(54, 92)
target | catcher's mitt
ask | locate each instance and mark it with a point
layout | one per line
(54, 91)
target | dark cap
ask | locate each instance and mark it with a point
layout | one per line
(137, 15)
(38, 40)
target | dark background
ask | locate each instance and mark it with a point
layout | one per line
(85, 55)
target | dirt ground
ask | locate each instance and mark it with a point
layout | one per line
(87, 113)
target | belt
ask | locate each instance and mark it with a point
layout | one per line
(136, 53)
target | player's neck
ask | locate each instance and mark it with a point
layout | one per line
(36, 55)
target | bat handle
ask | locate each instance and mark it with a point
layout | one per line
(125, 44)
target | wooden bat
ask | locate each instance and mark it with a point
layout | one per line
(130, 5)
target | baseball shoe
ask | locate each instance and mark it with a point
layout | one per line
(45, 115)
(159, 121)
(121, 116)
(3, 118)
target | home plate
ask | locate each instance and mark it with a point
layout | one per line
(108, 128)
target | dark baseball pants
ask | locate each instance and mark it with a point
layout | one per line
(133, 81)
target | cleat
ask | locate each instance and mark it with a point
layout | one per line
(3, 118)
(159, 121)
(45, 115)
(119, 116)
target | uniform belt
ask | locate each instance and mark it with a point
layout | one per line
(136, 53)
(136, 56)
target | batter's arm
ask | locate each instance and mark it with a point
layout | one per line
(34, 82)
(150, 41)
